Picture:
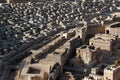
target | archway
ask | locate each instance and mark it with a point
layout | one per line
(107, 32)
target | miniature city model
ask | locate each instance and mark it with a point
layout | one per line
(59, 39)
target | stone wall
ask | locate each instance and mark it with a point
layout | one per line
(95, 29)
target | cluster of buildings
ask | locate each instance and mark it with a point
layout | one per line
(106, 65)
(23, 23)
(68, 58)
(50, 59)
(59, 39)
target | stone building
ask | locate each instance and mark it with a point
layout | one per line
(96, 73)
(34, 72)
(87, 54)
(105, 72)
(112, 72)
(82, 32)
(43, 70)
(113, 29)
(104, 41)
